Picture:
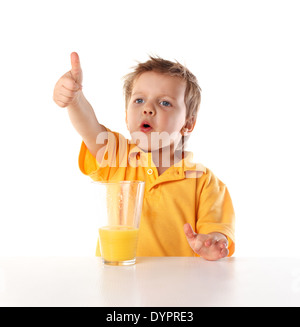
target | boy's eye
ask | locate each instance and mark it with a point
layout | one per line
(139, 101)
(166, 103)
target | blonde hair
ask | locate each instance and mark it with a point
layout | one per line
(192, 95)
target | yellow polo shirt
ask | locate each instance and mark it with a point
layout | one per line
(184, 193)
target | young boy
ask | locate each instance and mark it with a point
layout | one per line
(162, 101)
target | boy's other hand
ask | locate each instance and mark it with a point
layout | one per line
(212, 246)
(68, 88)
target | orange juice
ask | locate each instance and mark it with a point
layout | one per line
(118, 243)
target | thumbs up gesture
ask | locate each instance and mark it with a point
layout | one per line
(68, 88)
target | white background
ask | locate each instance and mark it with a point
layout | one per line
(246, 57)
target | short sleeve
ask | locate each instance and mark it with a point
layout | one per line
(215, 210)
(115, 154)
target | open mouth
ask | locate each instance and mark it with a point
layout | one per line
(145, 127)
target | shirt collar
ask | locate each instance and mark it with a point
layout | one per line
(138, 156)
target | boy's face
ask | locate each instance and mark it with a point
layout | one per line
(156, 113)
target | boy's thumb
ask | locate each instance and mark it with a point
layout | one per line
(188, 230)
(76, 68)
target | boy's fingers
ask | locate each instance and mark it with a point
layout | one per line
(69, 84)
(71, 87)
(223, 243)
(60, 103)
(198, 245)
(67, 92)
(224, 253)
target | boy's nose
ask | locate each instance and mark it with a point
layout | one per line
(149, 111)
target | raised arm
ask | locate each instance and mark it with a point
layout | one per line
(68, 93)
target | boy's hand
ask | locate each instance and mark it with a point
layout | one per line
(69, 86)
(212, 246)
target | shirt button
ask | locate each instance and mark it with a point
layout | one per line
(149, 171)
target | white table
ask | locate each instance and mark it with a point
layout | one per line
(152, 282)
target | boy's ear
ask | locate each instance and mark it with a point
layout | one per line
(188, 126)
